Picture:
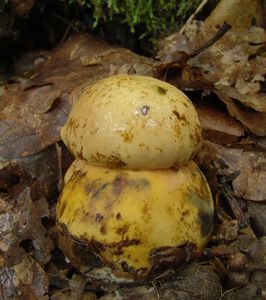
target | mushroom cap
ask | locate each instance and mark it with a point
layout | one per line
(122, 216)
(133, 122)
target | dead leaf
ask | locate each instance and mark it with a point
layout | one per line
(253, 120)
(22, 132)
(251, 165)
(257, 213)
(21, 226)
(193, 282)
(21, 8)
(25, 280)
(240, 15)
(218, 126)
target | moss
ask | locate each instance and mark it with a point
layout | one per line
(154, 15)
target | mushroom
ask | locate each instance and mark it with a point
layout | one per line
(133, 122)
(122, 216)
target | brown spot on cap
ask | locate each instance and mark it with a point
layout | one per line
(112, 161)
(144, 110)
(162, 91)
(99, 218)
(118, 216)
(180, 117)
(186, 212)
(103, 229)
(127, 136)
(122, 230)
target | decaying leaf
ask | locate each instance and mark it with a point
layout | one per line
(21, 229)
(251, 165)
(218, 126)
(253, 120)
(75, 289)
(21, 8)
(239, 14)
(24, 280)
(257, 213)
(24, 133)
(193, 282)
(39, 172)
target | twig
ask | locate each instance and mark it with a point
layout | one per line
(64, 20)
(219, 34)
(66, 32)
(191, 18)
(256, 267)
(181, 62)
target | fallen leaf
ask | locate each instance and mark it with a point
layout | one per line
(218, 126)
(21, 8)
(251, 165)
(240, 15)
(20, 220)
(253, 120)
(24, 280)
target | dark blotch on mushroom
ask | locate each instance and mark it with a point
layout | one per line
(98, 218)
(118, 216)
(103, 229)
(206, 221)
(180, 117)
(97, 192)
(161, 90)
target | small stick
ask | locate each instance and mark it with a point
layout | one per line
(182, 61)
(219, 34)
(191, 18)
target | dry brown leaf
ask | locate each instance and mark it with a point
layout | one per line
(40, 172)
(20, 220)
(253, 120)
(193, 282)
(22, 132)
(251, 165)
(24, 280)
(240, 14)
(218, 126)
(21, 8)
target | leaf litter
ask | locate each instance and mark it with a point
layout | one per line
(227, 80)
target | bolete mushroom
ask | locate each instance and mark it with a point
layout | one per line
(133, 122)
(121, 216)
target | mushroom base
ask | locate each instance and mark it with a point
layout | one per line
(134, 222)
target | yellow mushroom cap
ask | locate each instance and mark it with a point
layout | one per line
(133, 122)
(122, 215)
